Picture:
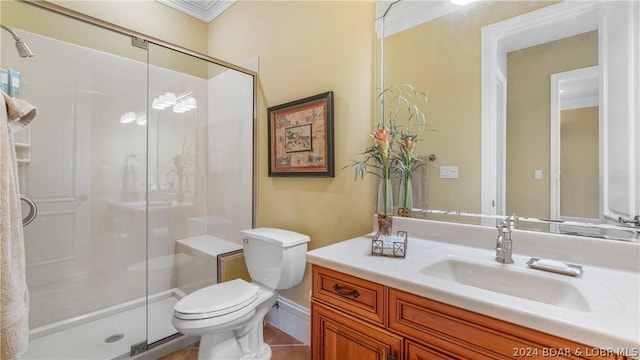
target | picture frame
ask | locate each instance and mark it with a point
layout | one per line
(301, 137)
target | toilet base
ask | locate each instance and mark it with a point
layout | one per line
(226, 346)
(242, 343)
(218, 346)
(265, 352)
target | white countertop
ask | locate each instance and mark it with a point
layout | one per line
(607, 315)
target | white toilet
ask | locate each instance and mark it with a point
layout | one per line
(229, 316)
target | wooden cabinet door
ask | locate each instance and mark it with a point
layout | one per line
(337, 336)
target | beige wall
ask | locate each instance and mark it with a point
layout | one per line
(306, 48)
(147, 17)
(40, 22)
(528, 116)
(69, 30)
(579, 174)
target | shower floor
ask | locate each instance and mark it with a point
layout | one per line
(89, 339)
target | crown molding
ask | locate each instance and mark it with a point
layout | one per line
(204, 10)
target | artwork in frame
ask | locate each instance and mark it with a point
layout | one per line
(301, 137)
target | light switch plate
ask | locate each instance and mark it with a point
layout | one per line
(448, 172)
(537, 174)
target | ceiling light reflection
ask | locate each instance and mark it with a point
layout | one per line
(179, 105)
(128, 117)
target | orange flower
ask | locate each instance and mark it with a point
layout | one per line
(409, 143)
(383, 139)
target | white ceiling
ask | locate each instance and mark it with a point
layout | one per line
(204, 10)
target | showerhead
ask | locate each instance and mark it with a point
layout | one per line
(22, 47)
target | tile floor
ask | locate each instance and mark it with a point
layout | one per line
(283, 347)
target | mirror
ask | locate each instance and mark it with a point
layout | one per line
(493, 72)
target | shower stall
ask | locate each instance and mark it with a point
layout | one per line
(140, 163)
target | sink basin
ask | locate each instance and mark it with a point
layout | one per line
(518, 282)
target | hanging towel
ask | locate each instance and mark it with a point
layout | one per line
(15, 114)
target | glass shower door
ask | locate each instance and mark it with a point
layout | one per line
(200, 180)
(176, 117)
(83, 162)
(141, 164)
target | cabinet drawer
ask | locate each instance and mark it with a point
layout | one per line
(474, 336)
(350, 294)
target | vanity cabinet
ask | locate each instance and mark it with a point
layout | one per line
(350, 316)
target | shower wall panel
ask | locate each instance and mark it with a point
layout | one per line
(231, 154)
(77, 249)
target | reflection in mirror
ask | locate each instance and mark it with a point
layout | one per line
(493, 72)
(575, 155)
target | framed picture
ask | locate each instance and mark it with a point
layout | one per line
(301, 137)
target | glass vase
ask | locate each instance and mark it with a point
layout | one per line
(405, 204)
(384, 207)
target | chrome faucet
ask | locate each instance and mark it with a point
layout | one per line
(503, 241)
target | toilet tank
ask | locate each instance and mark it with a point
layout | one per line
(275, 258)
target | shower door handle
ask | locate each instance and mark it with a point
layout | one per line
(33, 211)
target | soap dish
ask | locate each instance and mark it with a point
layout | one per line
(555, 266)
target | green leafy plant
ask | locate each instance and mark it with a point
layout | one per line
(394, 139)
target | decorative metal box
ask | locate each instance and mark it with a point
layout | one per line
(389, 245)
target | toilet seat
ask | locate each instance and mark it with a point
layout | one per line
(216, 300)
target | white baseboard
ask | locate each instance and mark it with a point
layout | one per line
(291, 318)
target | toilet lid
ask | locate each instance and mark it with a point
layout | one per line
(216, 300)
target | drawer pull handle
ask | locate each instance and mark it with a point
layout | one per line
(353, 293)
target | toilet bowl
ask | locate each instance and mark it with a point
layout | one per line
(229, 316)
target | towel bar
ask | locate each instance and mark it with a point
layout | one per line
(33, 211)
